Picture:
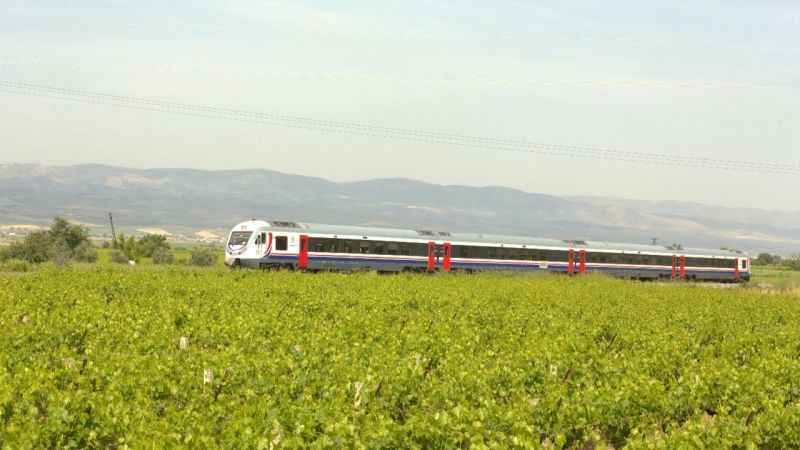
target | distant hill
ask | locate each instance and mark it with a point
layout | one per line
(186, 200)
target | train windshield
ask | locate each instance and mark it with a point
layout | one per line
(239, 237)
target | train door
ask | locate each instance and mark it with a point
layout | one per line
(674, 266)
(570, 262)
(259, 243)
(678, 267)
(582, 262)
(302, 254)
(263, 244)
(439, 256)
(683, 267)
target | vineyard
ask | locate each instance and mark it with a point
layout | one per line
(176, 357)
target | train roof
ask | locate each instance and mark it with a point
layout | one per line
(479, 238)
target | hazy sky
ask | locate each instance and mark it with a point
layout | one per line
(711, 78)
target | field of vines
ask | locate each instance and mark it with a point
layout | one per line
(177, 357)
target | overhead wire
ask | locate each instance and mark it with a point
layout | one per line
(407, 134)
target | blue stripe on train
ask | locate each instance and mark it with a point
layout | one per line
(553, 267)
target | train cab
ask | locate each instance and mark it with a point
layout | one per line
(245, 242)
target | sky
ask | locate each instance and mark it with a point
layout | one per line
(710, 79)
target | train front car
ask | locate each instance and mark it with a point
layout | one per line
(247, 245)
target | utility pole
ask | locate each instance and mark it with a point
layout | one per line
(113, 232)
(655, 241)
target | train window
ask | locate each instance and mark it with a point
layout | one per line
(281, 243)
(391, 248)
(377, 248)
(363, 247)
(556, 255)
(744, 264)
(239, 237)
(694, 262)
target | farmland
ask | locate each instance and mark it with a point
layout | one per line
(98, 356)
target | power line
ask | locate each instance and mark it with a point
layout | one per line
(416, 135)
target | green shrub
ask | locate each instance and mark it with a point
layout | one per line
(60, 254)
(62, 243)
(64, 233)
(119, 257)
(35, 248)
(85, 252)
(4, 254)
(127, 246)
(149, 243)
(15, 265)
(203, 257)
(163, 255)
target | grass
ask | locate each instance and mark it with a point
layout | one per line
(776, 279)
(180, 357)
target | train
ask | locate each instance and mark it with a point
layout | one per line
(315, 247)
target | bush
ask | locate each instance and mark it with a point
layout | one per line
(766, 259)
(71, 236)
(149, 243)
(15, 265)
(144, 247)
(85, 252)
(127, 246)
(203, 257)
(163, 255)
(4, 254)
(60, 254)
(62, 243)
(119, 257)
(35, 248)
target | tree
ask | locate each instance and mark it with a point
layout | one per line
(71, 236)
(765, 259)
(149, 243)
(60, 244)
(35, 248)
(127, 246)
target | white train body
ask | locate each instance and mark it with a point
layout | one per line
(274, 244)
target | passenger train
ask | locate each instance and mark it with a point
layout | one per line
(280, 244)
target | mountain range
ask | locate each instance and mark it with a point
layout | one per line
(187, 201)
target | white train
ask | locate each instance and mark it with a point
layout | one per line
(276, 244)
